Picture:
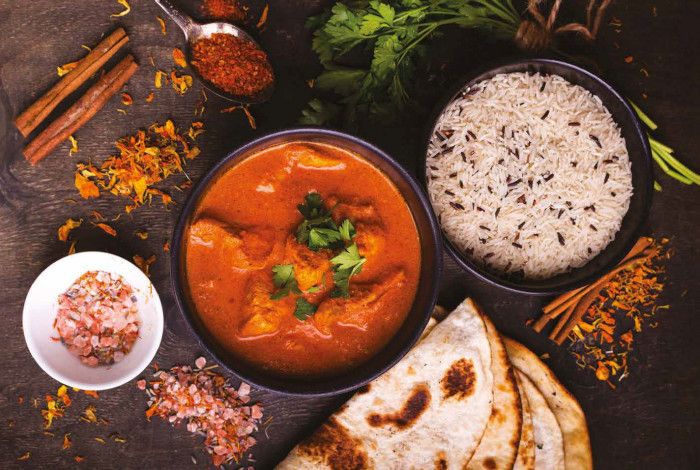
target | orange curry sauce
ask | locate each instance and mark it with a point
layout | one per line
(245, 225)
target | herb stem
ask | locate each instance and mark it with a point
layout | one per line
(643, 117)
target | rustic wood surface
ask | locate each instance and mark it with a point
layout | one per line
(651, 421)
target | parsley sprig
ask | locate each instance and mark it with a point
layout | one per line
(394, 35)
(347, 264)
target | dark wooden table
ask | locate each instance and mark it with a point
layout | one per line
(651, 421)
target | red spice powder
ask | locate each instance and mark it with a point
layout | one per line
(233, 65)
(223, 10)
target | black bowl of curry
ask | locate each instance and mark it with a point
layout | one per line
(307, 262)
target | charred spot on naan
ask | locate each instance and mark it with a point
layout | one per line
(489, 463)
(333, 445)
(412, 409)
(440, 461)
(458, 381)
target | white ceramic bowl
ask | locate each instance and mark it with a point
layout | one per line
(41, 306)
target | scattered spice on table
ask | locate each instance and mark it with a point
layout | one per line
(127, 100)
(64, 69)
(145, 159)
(209, 406)
(125, 11)
(73, 145)
(603, 340)
(67, 442)
(97, 318)
(65, 229)
(262, 22)
(161, 22)
(109, 230)
(232, 64)
(179, 57)
(230, 10)
(144, 264)
(181, 83)
(25, 456)
(55, 406)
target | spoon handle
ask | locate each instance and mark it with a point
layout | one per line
(183, 21)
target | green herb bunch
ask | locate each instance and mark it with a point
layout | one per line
(390, 36)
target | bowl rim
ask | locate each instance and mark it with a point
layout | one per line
(316, 389)
(132, 373)
(478, 75)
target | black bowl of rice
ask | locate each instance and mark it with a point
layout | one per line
(540, 175)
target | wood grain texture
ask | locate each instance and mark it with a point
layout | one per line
(652, 419)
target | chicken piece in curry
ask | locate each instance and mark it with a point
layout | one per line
(302, 259)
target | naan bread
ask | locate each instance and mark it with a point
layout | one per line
(549, 443)
(499, 444)
(567, 411)
(525, 459)
(429, 411)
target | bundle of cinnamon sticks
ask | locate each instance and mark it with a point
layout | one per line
(569, 308)
(94, 99)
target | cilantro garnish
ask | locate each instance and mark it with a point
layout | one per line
(304, 309)
(347, 264)
(286, 283)
(317, 231)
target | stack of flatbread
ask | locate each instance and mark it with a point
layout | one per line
(462, 398)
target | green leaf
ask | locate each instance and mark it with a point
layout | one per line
(312, 206)
(349, 259)
(341, 81)
(283, 278)
(323, 238)
(319, 113)
(304, 309)
(385, 11)
(341, 279)
(347, 230)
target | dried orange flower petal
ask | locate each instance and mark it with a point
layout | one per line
(150, 97)
(179, 58)
(159, 78)
(65, 229)
(67, 443)
(86, 188)
(127, 100)
(143, 235)
(181, 83)
(161, 22)
(126, 10)
(62, 70)
(25, 456)
(263, 17)
(73, 145)
(144, 264)
(107, 229)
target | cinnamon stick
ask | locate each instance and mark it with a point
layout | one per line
(562, 321)
(81, 112)
(37, 112)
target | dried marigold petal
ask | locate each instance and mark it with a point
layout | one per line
(127, 100)
(179, 57)
(79, 458)
(144, 264)
(65, 229)
(143, 235)
(263, 17)
(150, 97)
(64, 69)
(166, 247)
(86, 188)
(161, 22)
(106, 228)
(67, 442)
(159, 78)
(91, 393)
(180, 83)
(124, 12)
(25, 456)
(73, 145)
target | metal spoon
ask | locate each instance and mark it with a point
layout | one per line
(195, 31)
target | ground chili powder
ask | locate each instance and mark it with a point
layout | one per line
(223, 10)
(233, 65)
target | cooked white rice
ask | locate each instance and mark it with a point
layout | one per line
(529, 175)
